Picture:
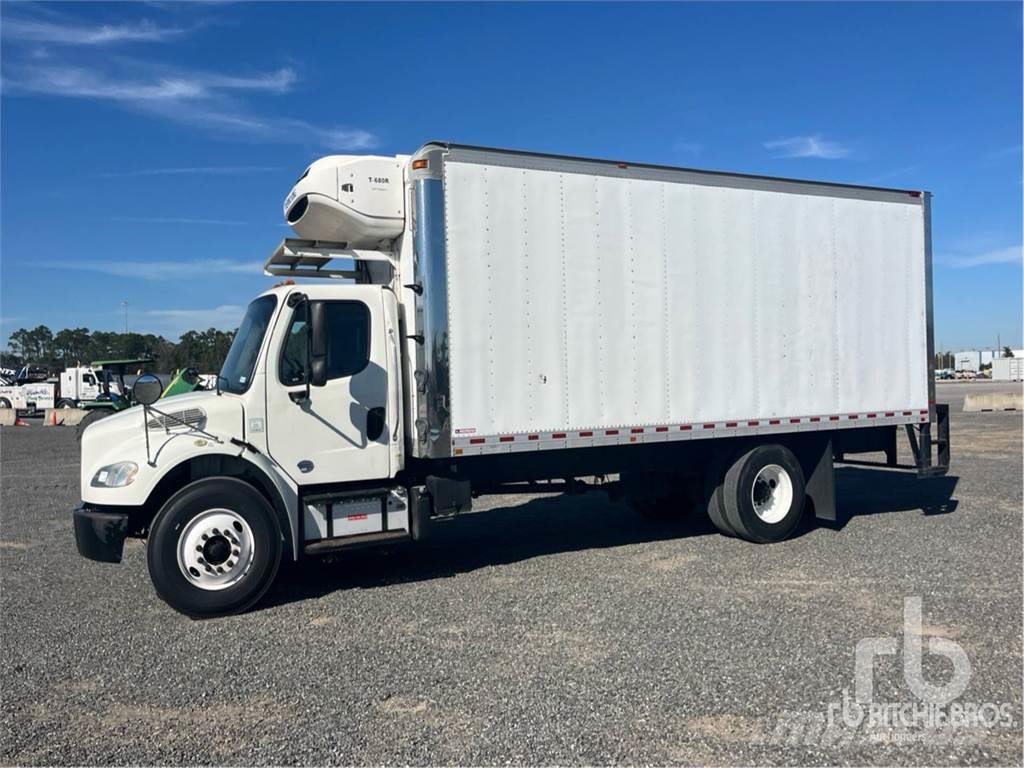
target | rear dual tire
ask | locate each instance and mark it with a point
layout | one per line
(761, 498)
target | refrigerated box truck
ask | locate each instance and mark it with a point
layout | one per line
(465, 321)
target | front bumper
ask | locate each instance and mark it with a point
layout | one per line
(99, 534)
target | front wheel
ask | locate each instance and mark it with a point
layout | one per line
(66, 403)
(214, 548)
(4, 403)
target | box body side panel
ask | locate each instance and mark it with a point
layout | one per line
(587, 301)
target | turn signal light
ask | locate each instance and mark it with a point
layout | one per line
(418, 165)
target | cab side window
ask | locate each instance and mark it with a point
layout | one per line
(348, 342)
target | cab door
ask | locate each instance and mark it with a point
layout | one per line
(342, 432)
(88, 387)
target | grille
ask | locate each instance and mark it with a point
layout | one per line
(193, 417)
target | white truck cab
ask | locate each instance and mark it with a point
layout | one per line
(467, 320)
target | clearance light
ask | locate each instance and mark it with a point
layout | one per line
(418, 165)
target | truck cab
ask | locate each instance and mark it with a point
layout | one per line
(81, 384)
(298, 447)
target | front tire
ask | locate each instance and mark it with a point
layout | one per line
(4, 403)
(763, 494)
(66, 403)
(214, 548)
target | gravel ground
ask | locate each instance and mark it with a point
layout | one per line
(548, 630)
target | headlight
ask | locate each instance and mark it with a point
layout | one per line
(115, 475)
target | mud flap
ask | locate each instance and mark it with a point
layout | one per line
(820, 485)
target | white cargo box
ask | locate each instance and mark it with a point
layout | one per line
(592, 302)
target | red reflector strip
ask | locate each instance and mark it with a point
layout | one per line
(924, 412)
(872, 415)
(532, 437)
(558, 435)
(611, 431)
(661, 429)
(890, 413)
(753, 423)
(637, 430)
(730, 423)
(475, 440)
(356, 517)
(686, 426)
(906, 413)
(506, 439)
(709, 426)
(833, 418)
(815, 418)
(586, 434)
(774, 421)
(794, 421)
(852, 416)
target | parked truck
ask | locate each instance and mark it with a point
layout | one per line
(465, 321)
(33, 390)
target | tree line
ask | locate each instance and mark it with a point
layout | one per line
(39, 346)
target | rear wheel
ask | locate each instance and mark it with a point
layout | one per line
(4, 403)
(716, 512)
(763, 494)
(214, 548)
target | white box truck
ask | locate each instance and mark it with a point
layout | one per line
(465, 321)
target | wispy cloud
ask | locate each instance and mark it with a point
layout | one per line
(201, 99)
(60, 56)
(159, 270)
(1014, 254)
(174, 322)
(82, 82)
(67, 33)
(808, 146)
(213, 170)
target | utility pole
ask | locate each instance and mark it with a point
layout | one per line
(124, 306)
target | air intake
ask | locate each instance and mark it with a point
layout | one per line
(192, 418)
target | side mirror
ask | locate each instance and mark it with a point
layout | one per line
(317, 344)
(147, 389)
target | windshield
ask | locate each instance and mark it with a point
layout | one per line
(236, 374)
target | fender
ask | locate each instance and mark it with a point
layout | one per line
(283, 495)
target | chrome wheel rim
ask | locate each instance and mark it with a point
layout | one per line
(216, 549)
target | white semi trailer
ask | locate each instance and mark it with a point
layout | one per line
(469, 320)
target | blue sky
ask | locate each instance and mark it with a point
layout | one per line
(147, 147)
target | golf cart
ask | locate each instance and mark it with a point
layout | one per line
(118, 397)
